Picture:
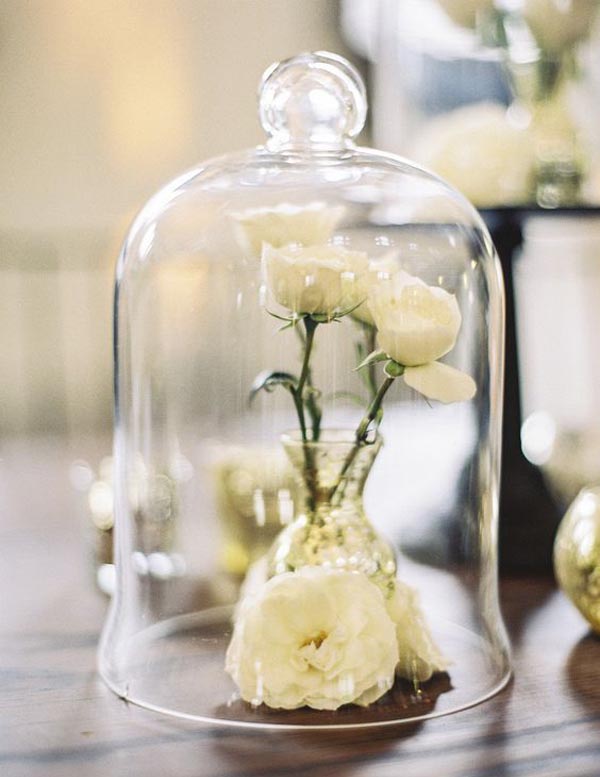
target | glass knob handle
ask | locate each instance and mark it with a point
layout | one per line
(315, 100)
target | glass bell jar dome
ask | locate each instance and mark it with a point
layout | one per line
(309, 355)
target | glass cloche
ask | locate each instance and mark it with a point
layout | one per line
(309, 347)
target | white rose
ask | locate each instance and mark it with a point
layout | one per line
(419, 657)
(377, 270)
(310, 224)
(314, 279)
(315, 637)
(417, 323)
(558, 25)
(441, 382)
(480, 151)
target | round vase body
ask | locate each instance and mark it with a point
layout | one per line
(242, 311)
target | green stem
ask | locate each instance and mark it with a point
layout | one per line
(300, 412)
(311, 402)
(371, 339)
(311, 327)
(310, 475)
(360, 438)
(315, 413)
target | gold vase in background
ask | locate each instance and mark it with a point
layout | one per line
(577, 555)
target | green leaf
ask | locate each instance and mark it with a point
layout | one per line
(393, 370)
(347, 311)
(372, 358)
(291, 320)
(337, 315)
(268, 381)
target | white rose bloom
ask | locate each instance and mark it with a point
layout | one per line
(310, 224)
(377, 270)
(559, 24)
(419, 657)
(417, 323)
(440, 381)
(482, 152)
(315, 637)
(314, 279)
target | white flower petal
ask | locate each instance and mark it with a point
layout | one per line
(284, 224)
(313, 279)
(378, 269)
(342, 646)
(440, 381)
(420, 658)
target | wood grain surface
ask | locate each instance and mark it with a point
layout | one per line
(57, 719)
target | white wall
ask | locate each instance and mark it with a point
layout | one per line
(101, 101)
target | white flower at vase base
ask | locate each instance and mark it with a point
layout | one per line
(323, 638)
(419, 656)
(281, 225)
(318, 638)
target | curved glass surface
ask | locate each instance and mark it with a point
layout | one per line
(224, 275)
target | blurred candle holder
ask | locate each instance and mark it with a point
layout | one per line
(255, 496)
(155, 520)
(95, 500)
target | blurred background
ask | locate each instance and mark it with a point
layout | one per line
(104, 101)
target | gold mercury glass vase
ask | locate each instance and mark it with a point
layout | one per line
(577, 555)
(331, 527)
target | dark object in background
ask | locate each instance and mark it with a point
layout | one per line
(529, 516)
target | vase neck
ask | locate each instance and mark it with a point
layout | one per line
(332, 470)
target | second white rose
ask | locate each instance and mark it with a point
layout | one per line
(416, 323)
(314, 279)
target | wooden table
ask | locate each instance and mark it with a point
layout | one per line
(57, 719)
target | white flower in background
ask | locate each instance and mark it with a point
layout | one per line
(417, 323)
(481, 151)
(314, 279)
(419, 657)
(559, 24)
(464, 12)
(315, 637)
(283, 224)
(377, 270)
